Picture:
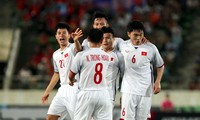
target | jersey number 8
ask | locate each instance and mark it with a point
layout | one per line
(98, 73)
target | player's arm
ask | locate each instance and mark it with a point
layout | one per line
(75, 36)
(157, 86)
(49, 88)
(71, 78)
(75, 67)
(121, 64)
(118, 42)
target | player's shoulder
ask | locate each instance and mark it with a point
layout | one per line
(85, 41)
(57, 51)
(150, 44)
(119, 39)
(80, 53)
(71, 45)
(117, 53)
(126, 42)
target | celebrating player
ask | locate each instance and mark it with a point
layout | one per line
(116, 66)
(93, 99)
(63, 103)
(137, 84)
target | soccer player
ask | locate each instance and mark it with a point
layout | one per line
(93, 99)
(100, 20)
(63, 103)
(116, 66)
(138, 84)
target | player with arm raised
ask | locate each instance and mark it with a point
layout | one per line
(63, 103)
(93, 99)
(138, 84)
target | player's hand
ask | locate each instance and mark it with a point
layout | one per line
(45, 97)
(71, 82)
(156, 88)
(145, 40)
(77, 34)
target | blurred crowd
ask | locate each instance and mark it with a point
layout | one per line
(161, 18)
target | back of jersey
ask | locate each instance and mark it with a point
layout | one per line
(93, 66)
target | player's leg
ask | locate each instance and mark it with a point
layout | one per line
(65, 116)
(104, 107)
(143, 109)
(84, 106)
(128, 106)
(70, 99)
(56, 109)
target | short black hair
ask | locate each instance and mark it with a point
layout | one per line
(135, 25)
(95, 35)
(99, 14)
(107, 30)
(62, 25)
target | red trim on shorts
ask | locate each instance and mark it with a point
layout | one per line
(121, 119)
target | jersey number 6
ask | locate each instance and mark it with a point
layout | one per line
(133, 59)
(98, 70)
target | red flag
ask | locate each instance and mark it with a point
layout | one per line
(66, 55)
(144, 53)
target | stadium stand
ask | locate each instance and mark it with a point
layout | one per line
(165, 23)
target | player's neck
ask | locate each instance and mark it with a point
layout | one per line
(108, 50)
(136, 43)
(62, 47)
(94, 45)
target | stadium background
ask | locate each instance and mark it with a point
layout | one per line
(27, 43)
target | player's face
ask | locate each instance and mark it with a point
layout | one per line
(62, 36)
(136, 36)
(107, 43)
(99, 23)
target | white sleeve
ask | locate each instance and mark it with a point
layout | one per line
(117, 43)
(75, 67)
(158, 61)
(121, 64)
(55, 65)
(85, 44)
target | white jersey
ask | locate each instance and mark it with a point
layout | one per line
(62, 61)
(92, 65)
(138, 73)
(116, 43)
(114, 72)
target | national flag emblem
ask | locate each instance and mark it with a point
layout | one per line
(144, 53)
(66, 55)
(112, 58)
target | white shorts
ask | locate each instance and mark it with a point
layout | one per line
(63, 104)
(95, 104)
(135, 107)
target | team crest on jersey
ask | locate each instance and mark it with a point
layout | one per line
(111, 59)
(144, 53)
(66, 55)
